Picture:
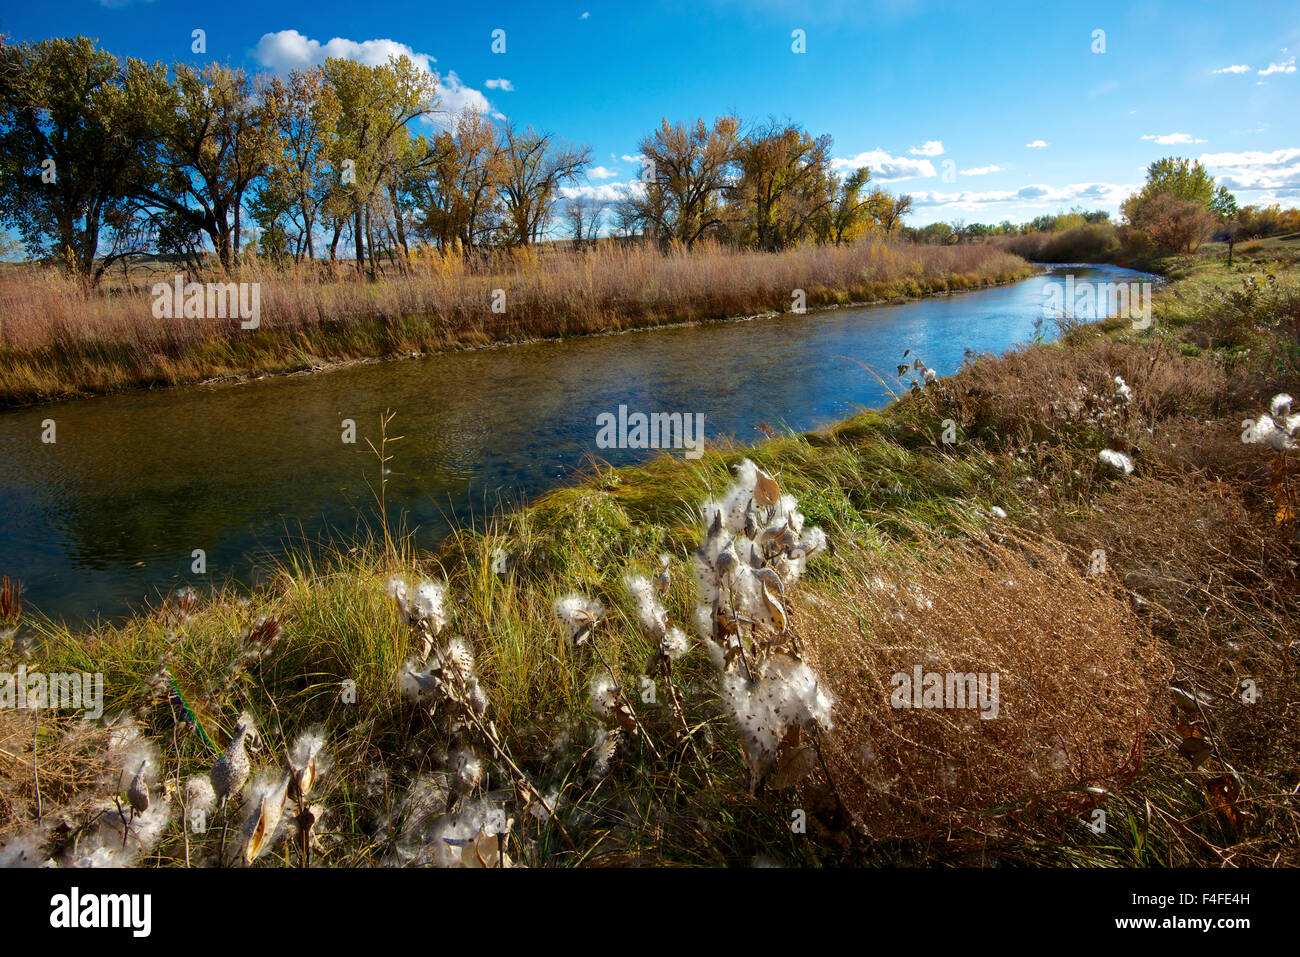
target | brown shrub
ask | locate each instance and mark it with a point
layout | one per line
(1184, 545)
(1217, 580)
(1041, 393)
(1093, 242)
(1079, 682)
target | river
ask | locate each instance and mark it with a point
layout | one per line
(107, 517)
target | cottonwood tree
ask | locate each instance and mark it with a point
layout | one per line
(536, 166)
(76, 131)
(461, 195)
(583, 215)
(369, 108)
(691, 167)
(297, 178)
(784, 186)
(1179, 205)
(888, 210)
(408, 162)
(1179, 225)
(850, 213)
(1184, 179)
(215, 141)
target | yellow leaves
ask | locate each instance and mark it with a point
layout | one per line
(1284, 515)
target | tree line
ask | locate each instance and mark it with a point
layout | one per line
(1178, 207)
(103, 159)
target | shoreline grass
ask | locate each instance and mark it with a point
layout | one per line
(58, 342)
(1136, 665)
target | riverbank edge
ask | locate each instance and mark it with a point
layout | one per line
(8, 402)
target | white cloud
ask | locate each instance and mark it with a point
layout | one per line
(1036, 145)
(584, 16)
(1096, 194)
(1285, 66)
(604, 192)
(885, 168)
(454, 97)
(1256, 170)
(504, 85)
(290, 50)
(981, 170)
(601, 172)
(928, 148)
(1235, 68)
(1170, 139)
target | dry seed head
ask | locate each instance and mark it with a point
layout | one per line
(429, 604)
(579, 615)
(651, 612)
(305, 761)
(604, 695)
(263, 815)
(675, 643)
(138, 791)
(1116, 460)
(397, 592)
(458, 660)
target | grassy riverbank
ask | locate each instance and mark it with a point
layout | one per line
(57, 341)
(1125, 615)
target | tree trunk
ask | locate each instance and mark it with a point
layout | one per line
(370, 248)
(359, 235)
(401, 229)
(234, 249)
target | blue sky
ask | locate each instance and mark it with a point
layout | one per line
(946, 101)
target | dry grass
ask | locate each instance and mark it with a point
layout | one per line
(1079, 683)
(46, 765)
(1215, 578)
(1033, 394)
(58, 340)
